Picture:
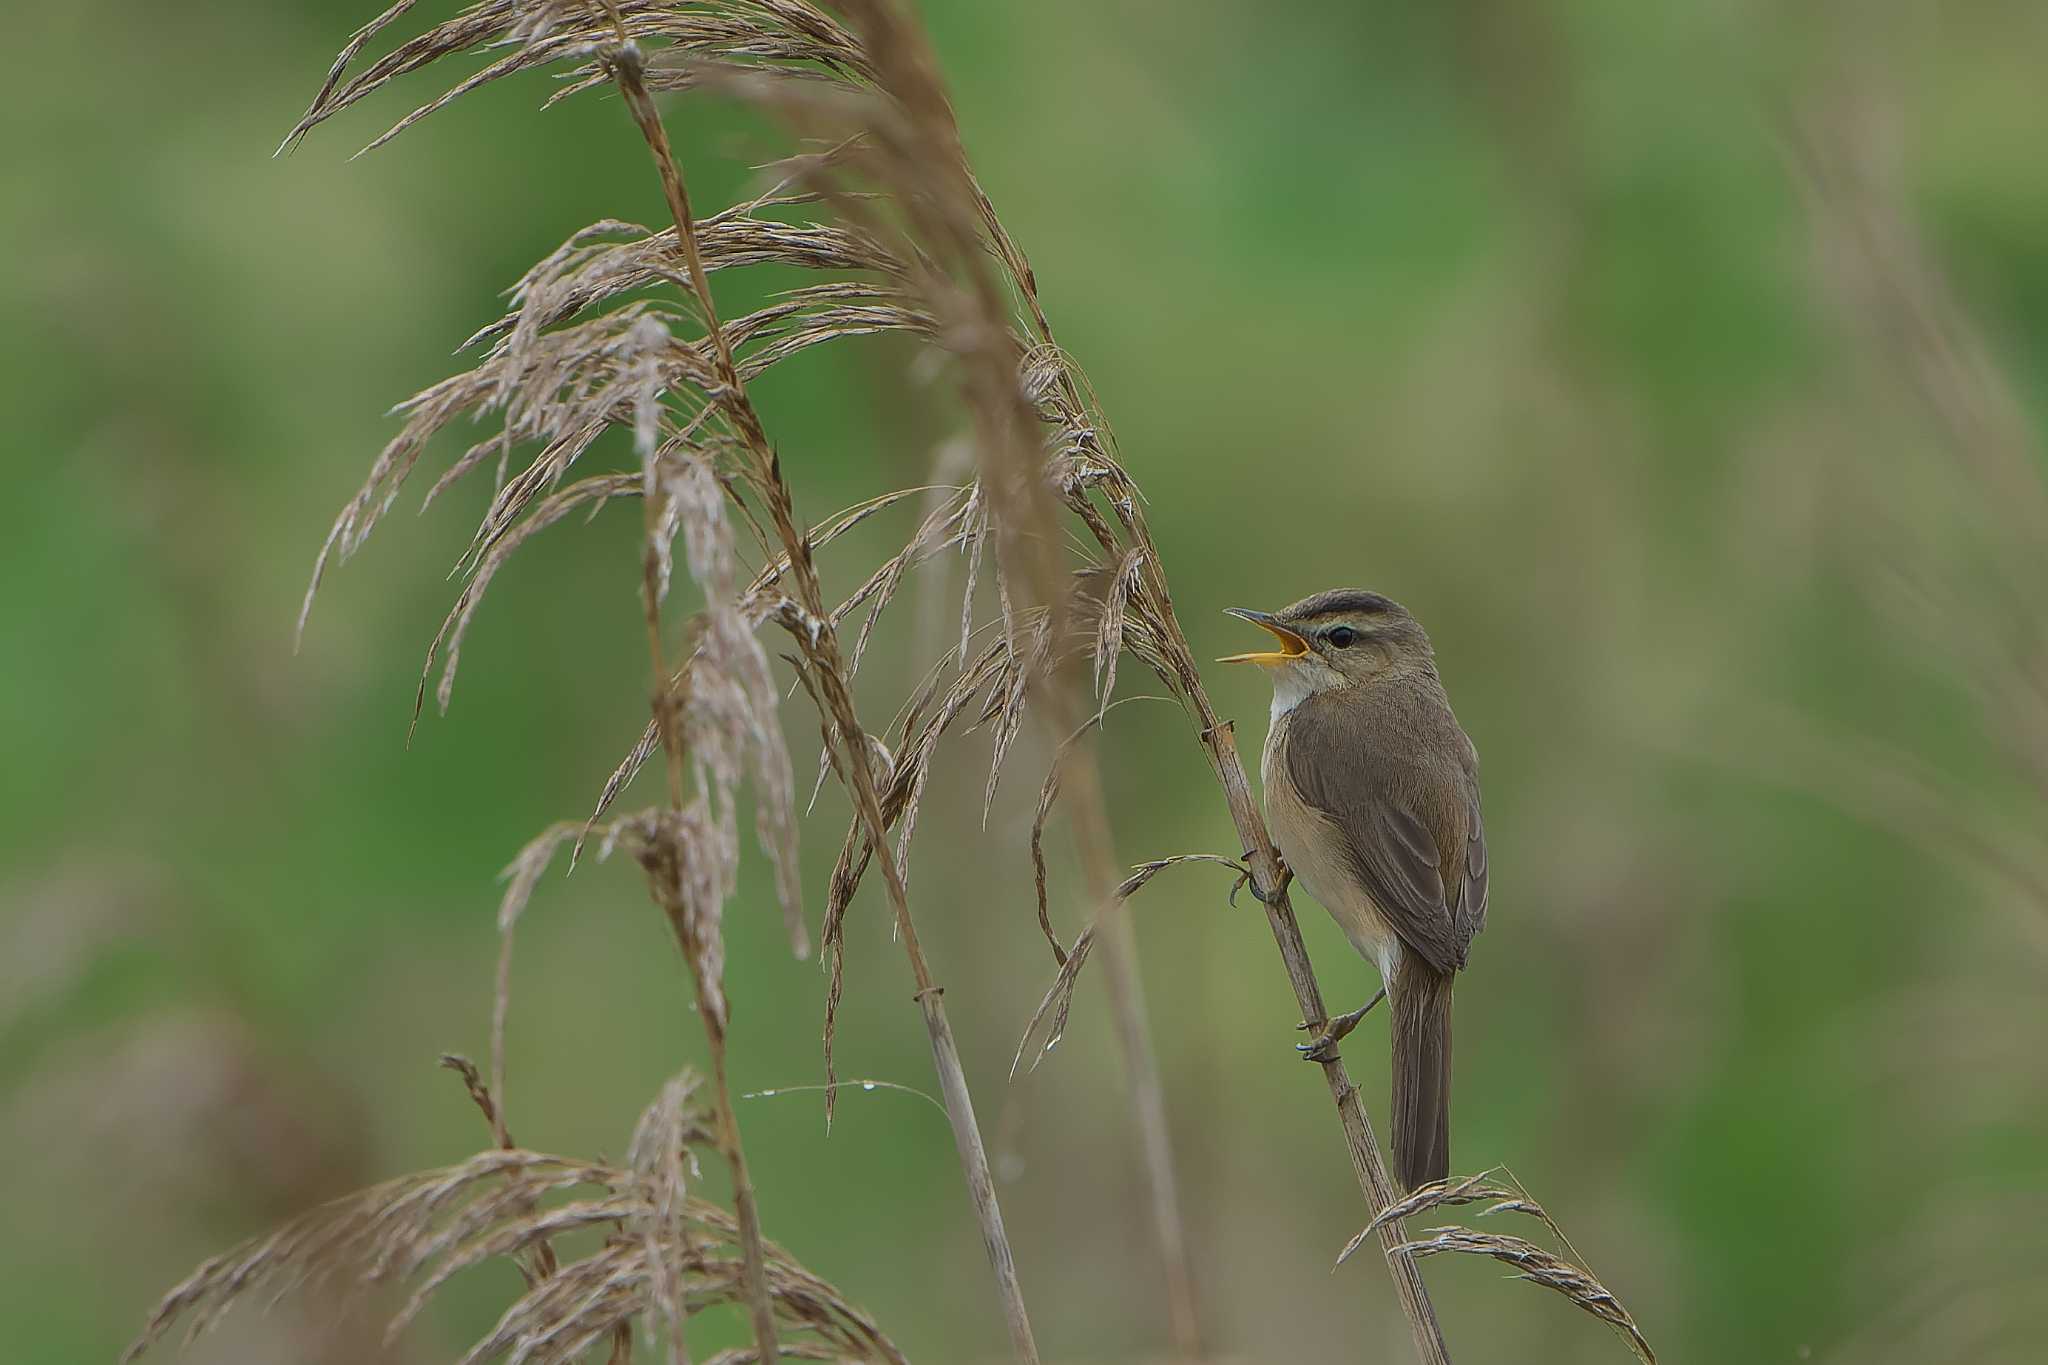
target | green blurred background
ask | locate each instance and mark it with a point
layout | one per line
(1635, 347)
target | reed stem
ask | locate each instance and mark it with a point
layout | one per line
(820, 642)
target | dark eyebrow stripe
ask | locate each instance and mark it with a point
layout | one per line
(1345, 601)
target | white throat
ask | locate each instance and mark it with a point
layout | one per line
(1290, 688)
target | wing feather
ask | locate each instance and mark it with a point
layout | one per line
(1473, 911)
(1411, 828)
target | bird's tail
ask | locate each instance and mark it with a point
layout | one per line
(1421, 998)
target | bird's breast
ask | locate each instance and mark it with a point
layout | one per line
(1315, 850)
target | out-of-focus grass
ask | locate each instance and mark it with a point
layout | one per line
(1519, 324)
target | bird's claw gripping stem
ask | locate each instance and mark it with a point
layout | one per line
(1279, 888)
(1323, 1047)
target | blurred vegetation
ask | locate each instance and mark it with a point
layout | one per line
(1517, 313)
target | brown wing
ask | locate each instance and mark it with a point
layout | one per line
(1472, 912)
(1398, 783)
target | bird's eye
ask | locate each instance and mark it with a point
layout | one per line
(1343, 637)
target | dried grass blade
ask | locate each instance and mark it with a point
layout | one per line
(1533, 1263)
(446, 648)
(342, 61)
(1109, 637)
(1048, 793)
(1464, 1189)
(521, 876)
(1059, 997)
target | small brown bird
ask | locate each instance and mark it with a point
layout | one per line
(1372, 793)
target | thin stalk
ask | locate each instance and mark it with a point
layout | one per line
(1155, 1139)
(746, 1212)
(710, 993)
(820, 642)
(1081, 786)
(1009, 451)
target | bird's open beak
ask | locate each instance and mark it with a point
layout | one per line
(1292, 646)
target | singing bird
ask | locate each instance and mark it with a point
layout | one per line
(1372, 796)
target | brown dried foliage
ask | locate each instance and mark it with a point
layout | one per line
(1049, 1020)
(1532, 1262)
(658, 1249)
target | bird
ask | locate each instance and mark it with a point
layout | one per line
(1372, 797)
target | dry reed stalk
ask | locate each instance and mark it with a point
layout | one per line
(1009, 451)
(825, 672)
(666, 856)
(1155, 1132)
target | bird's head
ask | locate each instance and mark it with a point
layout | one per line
(1339, 638)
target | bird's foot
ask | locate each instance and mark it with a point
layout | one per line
(1323, 1047)
(1248, 880)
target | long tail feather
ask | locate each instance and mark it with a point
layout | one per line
(1422, 1072)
